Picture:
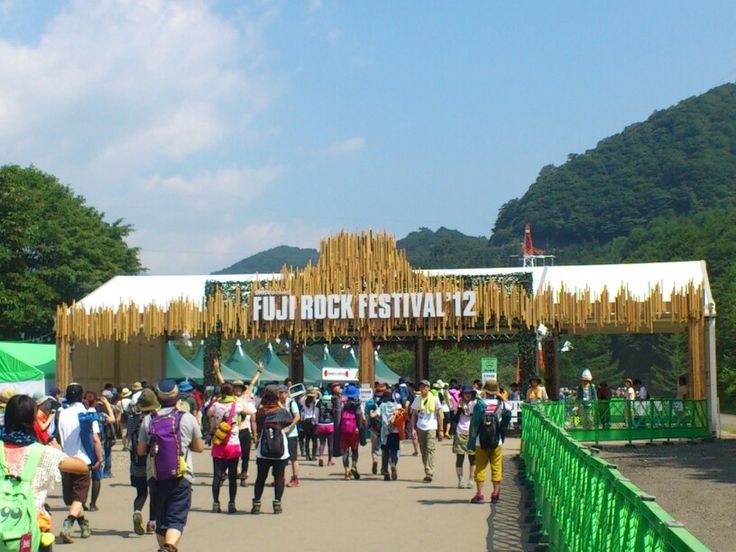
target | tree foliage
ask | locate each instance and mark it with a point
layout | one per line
(53, 248)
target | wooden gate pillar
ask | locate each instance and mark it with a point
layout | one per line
(696, 359)
(296, 362)
(421, 359)
(367, 372)
(551, 351)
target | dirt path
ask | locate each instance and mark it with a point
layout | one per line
(326, 512)
(696, 484)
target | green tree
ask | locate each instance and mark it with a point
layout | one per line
(53, 248)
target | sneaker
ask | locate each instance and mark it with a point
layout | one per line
(386, 477)
(460, 484)
(478, 499)
(374, 469)
(216, 508)
(256, 508)
(469, 484)
(231, 509)
(294, 482)
(495, 497)
(138, 528)
(84, 526)
(354, 472)
(66, 531)
(277, 507)
(427, 479)
(394, 475)
(151, 527)
(321, 463)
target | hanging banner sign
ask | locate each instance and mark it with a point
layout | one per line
(347, 306)
(340, 374)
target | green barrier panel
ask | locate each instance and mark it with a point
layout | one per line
(622, 420)
(584, 503)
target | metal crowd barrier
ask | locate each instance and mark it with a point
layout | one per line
(584, 503)
(624, 420)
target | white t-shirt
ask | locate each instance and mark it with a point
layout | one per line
(425, 421)
(69, 432)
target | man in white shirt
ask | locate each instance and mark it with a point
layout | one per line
(80, 440)
(426, 423)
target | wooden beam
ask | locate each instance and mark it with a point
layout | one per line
(696, 358)
(367, 359)
(296, 361)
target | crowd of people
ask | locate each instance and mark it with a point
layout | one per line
(68, 438)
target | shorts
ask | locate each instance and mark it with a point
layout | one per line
(293, 448)
(492, 458)
(460, 444)
(75, 487)
(349, 441)
(173, 498)
(325, 428)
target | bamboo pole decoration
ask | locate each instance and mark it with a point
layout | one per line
(371, 263)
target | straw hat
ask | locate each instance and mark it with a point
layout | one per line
(136, 386)
(125, 393)
(6, 394)
(491, 387)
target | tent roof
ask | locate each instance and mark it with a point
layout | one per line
(179, 367)
(639, 278)
(240, 362)
(327, 360)
(198, 358)
(273, 367)
(384, 374)
(41, 356)
(13, 369)
(352, 360)
(312, 374)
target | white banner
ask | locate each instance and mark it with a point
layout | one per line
(340, 374)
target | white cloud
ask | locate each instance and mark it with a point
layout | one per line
(233, 184)
(314, 6)
(349, 145)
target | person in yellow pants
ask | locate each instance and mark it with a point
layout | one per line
(491, 417)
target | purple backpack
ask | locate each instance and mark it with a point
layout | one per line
(167, 457)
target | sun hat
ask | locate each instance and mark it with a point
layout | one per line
(7, 393)
(629, 381)
(425, 382)
(491, 386)
(439, 384)
(167, 391)
(136, 386)
(125, 393)
(185, 386)
(351, 392)
(147, 402)
(587, 376)
(535, 377)
(239, 383)
(467, 388)
(41, 399)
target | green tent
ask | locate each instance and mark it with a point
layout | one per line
(198, 362)
(41, 356)
(178, 367)
(273, 367)
(312, 374)
(327, 360)
(198, 358)
(383, 373)
(352, 361)
(20, 375)
(241, 363)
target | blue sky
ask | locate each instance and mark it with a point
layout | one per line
(219, 129)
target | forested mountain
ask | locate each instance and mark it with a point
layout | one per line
(271, 260)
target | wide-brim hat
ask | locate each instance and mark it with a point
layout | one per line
(125, 393)
(439, 384)
(629, 381)
(352, 392)
(185, 387)
(491, 386)
(467, 388)
(136, 386)
(537, 378)
(239, 383)
(586, 375)
(42, 399)
(167, 390)
(148, 402)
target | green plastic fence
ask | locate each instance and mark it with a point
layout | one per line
(622, 420)
(585, 504)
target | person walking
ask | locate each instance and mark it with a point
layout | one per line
(168, 437)
(145, 403)
(309, 420)
(79, 437)
(461, 435)
(586, 394)
(390, 435)
(325, 428)
(352, 424)
(246, 431)
(536, 392)
(293, 436)
(426, 426)
(272, 451)
(24, 459)
(491, 417)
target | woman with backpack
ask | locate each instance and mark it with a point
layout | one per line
(390, 435)
(224, 415)
(352, 424)
(35, 471)
(146, 403)
(274, 422)
(460, 430)
(325, 427)
(309, 419)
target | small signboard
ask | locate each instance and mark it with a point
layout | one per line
(366, 393)
(488, 368)
(340, 374)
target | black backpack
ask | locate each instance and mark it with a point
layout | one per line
(272, 440)
(489, 433)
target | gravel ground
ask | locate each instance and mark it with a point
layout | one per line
(695, 483)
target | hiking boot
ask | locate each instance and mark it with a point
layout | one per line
(394, 475)
(495, 497)
(150, 527)
(277, 507)
(84, 526)
(354, 472)
(256, 508)
(231, 509)
(66, 531)
(168, 548)
(386, 477)
(374, 469)
(138, 528)
(427, 479)
(216, 508)
(293, 482)
(243, 482)
(321, 463)
(478, 499)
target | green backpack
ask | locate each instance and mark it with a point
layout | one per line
(19, 530)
